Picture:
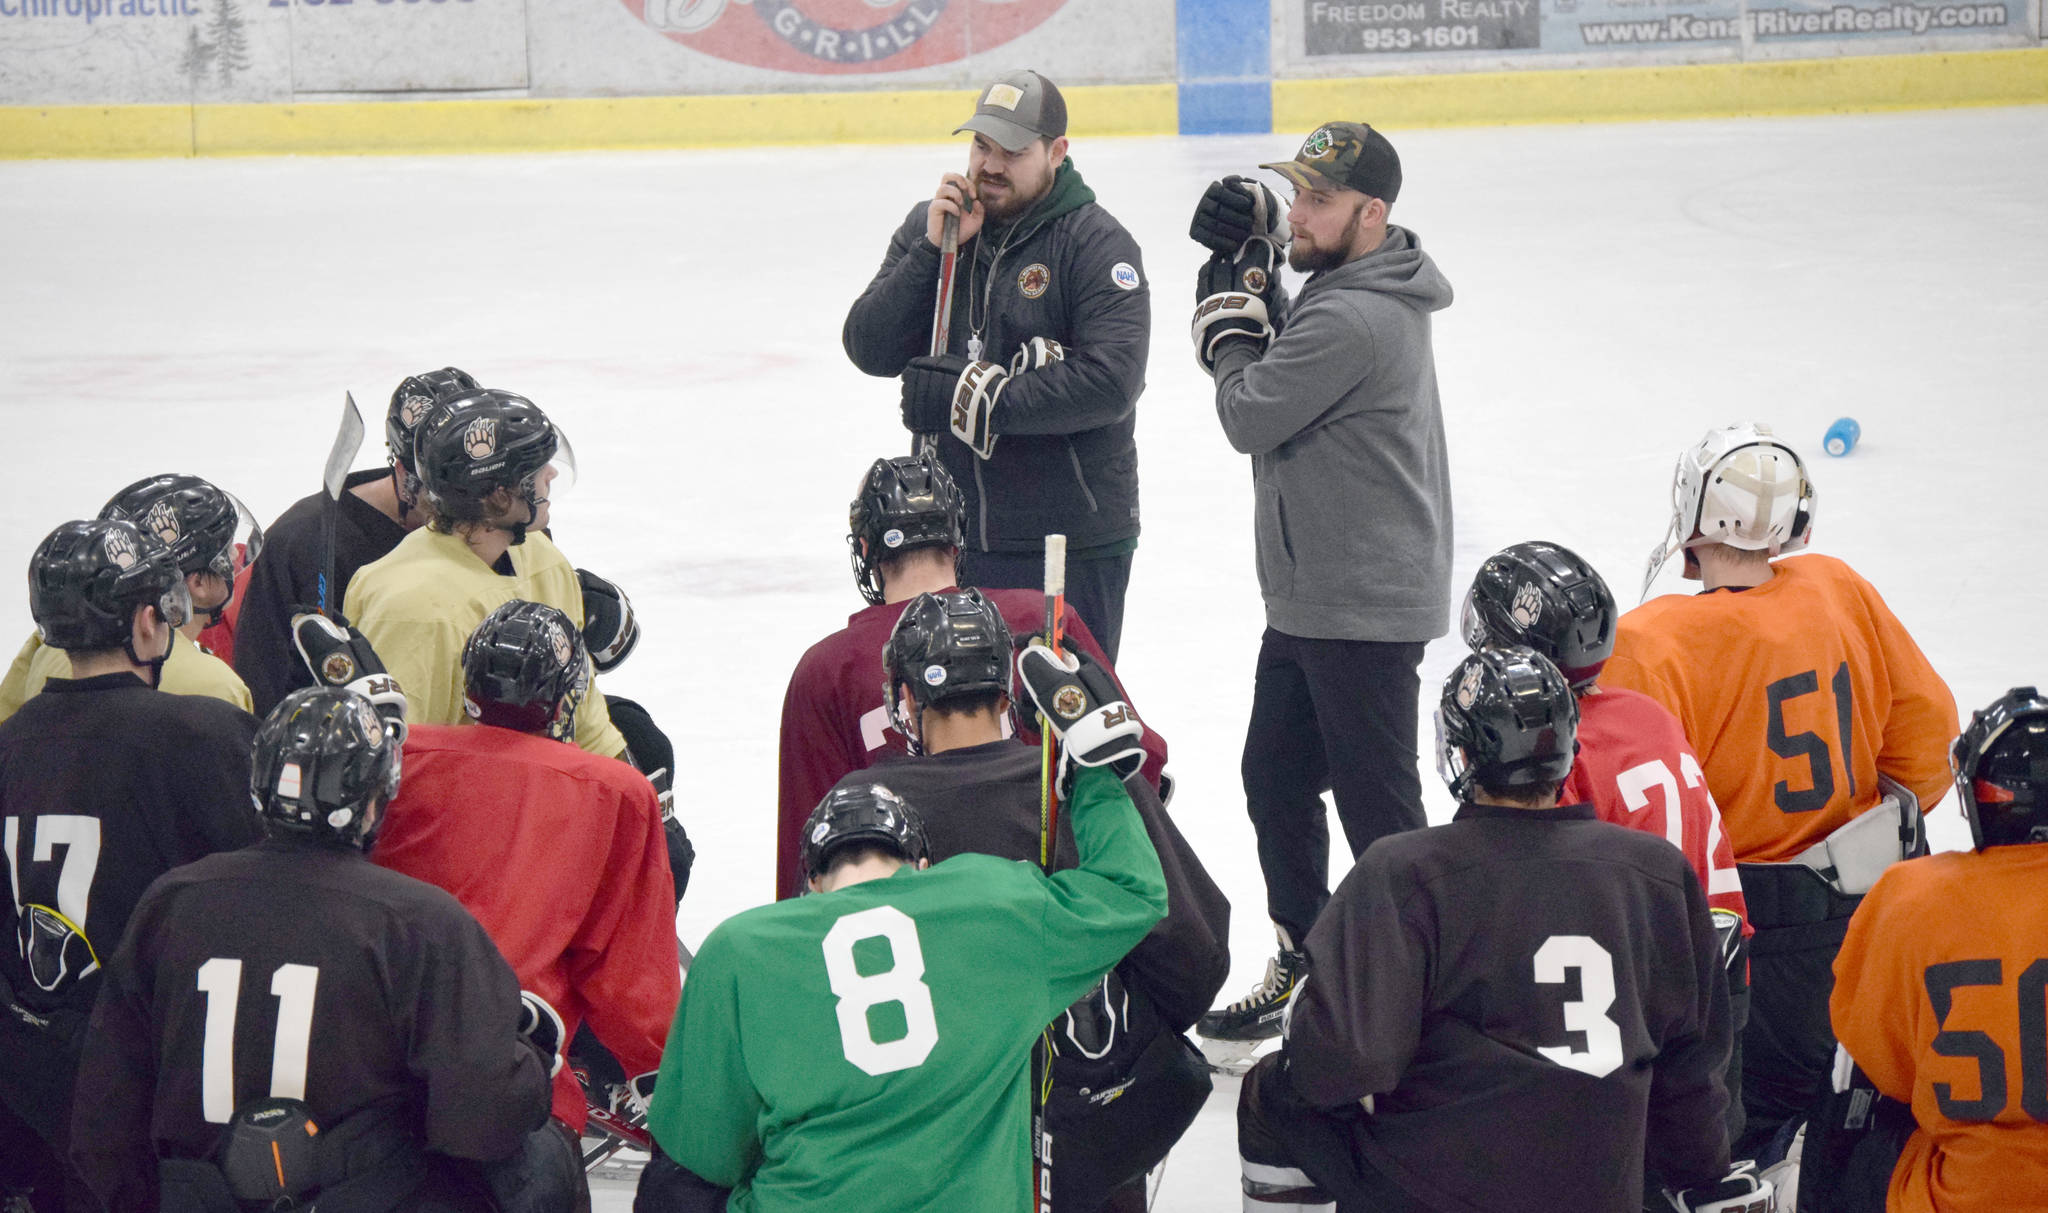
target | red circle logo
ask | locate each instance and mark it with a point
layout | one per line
(841, 37)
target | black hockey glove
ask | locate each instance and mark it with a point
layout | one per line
(1084, 710)
(1235, 297)
(1037, 354)
(949, 393)
(541, 1025)
(340, 656)
(1743, 1191)
(1234, 210)
(610, 629)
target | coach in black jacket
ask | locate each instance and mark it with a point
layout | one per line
(1046, 352)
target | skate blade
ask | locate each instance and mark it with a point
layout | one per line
(1236, 1057)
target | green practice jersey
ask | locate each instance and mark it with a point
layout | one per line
(869, 1048)
(418, 604)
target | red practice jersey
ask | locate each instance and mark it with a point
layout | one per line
(219, 638)
(1636, 769)
(559, 854)
(834, 720)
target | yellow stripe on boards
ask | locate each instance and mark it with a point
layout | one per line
(1615, 94)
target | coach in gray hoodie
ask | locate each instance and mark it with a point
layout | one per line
(1335, 400)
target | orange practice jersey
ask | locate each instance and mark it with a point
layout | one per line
(1795, 694)
(1636, 770)
(1938, 996)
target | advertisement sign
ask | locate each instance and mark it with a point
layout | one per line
(836, 37)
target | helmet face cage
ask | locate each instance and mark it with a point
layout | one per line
(863, 813)
(1546, 597)
(322, 761)
(944, 646)
(903, 504)
(525, 668)
(1507, 719)
(2000, 767)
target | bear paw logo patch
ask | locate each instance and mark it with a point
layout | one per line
(1468, 687)
(1527, 607)
(480, 439)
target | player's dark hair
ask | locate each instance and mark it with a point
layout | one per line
(970, 704)
(1532, 793)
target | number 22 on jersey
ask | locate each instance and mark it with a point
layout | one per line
(901, 984)
(220, 979)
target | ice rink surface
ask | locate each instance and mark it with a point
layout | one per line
(1619, 290)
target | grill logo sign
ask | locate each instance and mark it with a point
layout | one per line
(842, 37)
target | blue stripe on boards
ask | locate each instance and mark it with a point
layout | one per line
(1225, 66)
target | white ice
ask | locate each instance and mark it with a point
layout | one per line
(1620, 289)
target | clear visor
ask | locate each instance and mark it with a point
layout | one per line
(1450, 760)
(242, 551)
(175, 604)
(1470, 625)
(563, 465)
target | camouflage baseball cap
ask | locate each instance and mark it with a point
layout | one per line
(1345, 156)
(1017, 109)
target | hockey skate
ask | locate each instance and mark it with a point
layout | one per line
(1232, 1035)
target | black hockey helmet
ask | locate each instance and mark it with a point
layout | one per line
(1508, 720)
(412, 399)
(198, 521)
(525, 668)
(867, 814)
(322, 760)
(2001, 770)
(945, 646)
(86, 579)
(1546, 597)
(903, 504)
(474, 443)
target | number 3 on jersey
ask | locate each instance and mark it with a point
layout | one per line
(1588, 1012)
(902, 983)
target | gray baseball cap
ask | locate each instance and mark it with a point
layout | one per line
(1017, 109)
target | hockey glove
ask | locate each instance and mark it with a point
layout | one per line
(1084, 710)
(1037, 354)
(948, 392)
(610, 629)
(1743, 1191)
(340, 656)
(1234, 210)
(541, 1025)
(1235, 297)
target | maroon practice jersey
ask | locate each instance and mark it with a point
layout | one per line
(834, 719)
(1636, 769)
(559, 854)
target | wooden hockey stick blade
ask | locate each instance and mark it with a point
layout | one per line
(347, 441)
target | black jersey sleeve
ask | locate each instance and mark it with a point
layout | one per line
(211, 779)
(110, 1123)
(1686, 1143)
(891, 321)
(487, 1088)
(1184, 960)
(1357, 1020)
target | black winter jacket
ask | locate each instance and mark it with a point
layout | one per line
(1066, 460)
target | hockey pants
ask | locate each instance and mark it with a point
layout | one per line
(1100, 1146)
(1298, 1158)
(1788, 1048)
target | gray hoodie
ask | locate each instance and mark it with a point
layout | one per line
(1341, 418)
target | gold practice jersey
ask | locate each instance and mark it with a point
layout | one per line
(419, 603)
(190, 670)
(1796, 694)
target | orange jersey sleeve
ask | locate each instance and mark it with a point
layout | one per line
(1795, 694)
(1938, 995)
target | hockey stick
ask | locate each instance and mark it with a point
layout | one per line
(347, 441)
(1048, 827)
(942, 312)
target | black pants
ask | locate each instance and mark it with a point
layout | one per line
(1328, 715)
(1102, 1151)
(1788, 1047)
(38, 1069)
(1095, 588)
(1304, 1155)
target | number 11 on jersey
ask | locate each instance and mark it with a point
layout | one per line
(220, 979)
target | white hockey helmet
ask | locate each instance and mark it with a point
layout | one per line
(1738, 486)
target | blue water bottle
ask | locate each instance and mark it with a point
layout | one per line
(1842, 436)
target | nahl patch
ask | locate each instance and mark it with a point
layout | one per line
(1125, 275)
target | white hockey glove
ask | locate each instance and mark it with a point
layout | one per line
(1743, 1191)
(1235, 297)
(610, 629)
(1037, 354)
(633, 1095)
(947, 391)
(1084, 710)
(340, 656)
(541, 1024)
(974, 406)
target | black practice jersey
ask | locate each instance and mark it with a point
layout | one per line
(1531, 998)
(105, 785)
(287, 574)
(984, 800)
(300, 970)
